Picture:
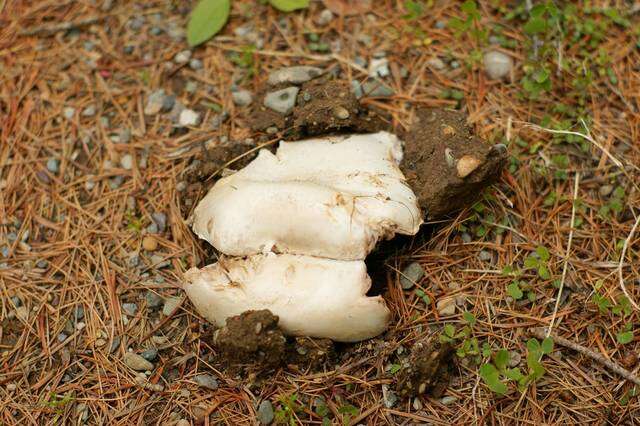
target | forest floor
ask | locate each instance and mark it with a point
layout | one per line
(94, 193)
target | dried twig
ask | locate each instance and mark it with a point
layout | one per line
(566, 256)
(622, 254)
(616, 368)
(49, 29)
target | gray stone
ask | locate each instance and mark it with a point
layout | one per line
(182, 57)
(152, 228)
(153, 299)
(137, 362)
(448, 400)
(126, 161)
(160, 220)
(206, 381)
(377, 89)
(69, 112)
(411, 275)
(485, 256)
(265, 412)
(218, 119)
(497, 65)
(606, 190)
(124, 135)
(155, 31)
(128, 50)
(466, 237)
(130, 308)
(155, 102)
(170, 305)
(53, 165)
(295, 75)
(436, 63)
(195, 64)
(283, 100)
(242, 97)
(116, 181)
(168, 102)
(389, 397)
(446, 307)
(441, 24)
(189, 117)
(136, 23)
(150, 354)
(191, 87)
(455, 64)
(79, 312)
(89, 111)
(379, 67)
(5, 251)
(62, 337)
(356, 89)
(325, 17)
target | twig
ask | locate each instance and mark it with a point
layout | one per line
(566, 256)
(582, 135)
(616, 368)
(62, 26)
(624, 251)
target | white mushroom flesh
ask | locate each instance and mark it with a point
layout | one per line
(331, 197)
(312, 296)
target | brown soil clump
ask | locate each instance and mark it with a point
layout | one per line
(252, 337)
(310, 353)
(445, 164)
(427, 369)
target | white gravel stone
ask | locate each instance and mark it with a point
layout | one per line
(497, 65)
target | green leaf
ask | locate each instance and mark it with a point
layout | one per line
(543, 272)
(513, 374)
(491, 377)
(449, 330)
(514, 290)
(395, 368)
(531, 262)
(533, 346)
(625, 337)
(486, 350)
(289, 5)
(535, 25)
(547, 345)
(207, 18)
(542, 251)
(501, 359)
(469, 317)
(348, 409)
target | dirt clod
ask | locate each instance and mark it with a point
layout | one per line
(310, 353)
(427, 369)
(252, 337)
(445, 164)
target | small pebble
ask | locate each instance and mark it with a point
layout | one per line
(191, 87)
(295, 75)
(448, 400)
(16, 301)
(69, 112)
(455, 64)
(189, 117)
(356, 89)
(514, 359)
(124, 135)
(206, 381)
(126, 162)
(137, 362)
(242, 97)
(11, 387)
(377, 89)
(195, 64)
(283, 100)
(153, 299)
(170, 305)
(183, 422)
(272, 130)
(155, 31)
(89, 111)
(389, 397)
(53, 165)
(485, 256)
(22, 313)
(340, 112)
(441, 24)
(436, 63)
(466, 237)
(379, 67)
(411, 275)
(182, 57)
(265, 412)
(160, 219)
(130, 308)
(62, 337)
(497, 65)
(446, 307)
(150, 354)
(325, 17)
(149, 243)
(155, 102)
(605, 190)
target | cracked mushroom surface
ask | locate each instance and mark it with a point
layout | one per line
(334, 197)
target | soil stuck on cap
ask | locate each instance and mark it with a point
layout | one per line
(445, 164)
(427, 368)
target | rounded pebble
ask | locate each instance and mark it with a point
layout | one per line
(149, 243)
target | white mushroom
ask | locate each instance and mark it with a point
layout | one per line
(312, 296)
(332, 197)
